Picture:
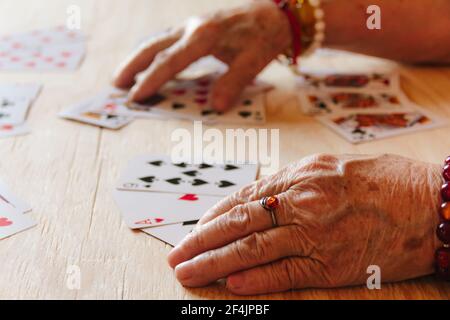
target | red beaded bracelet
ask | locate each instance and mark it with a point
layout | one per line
(443, 229)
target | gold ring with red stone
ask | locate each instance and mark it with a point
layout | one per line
(270, 204)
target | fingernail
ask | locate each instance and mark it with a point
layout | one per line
(184, 271)
(235, 282)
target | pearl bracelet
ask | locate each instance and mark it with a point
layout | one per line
(319, 26)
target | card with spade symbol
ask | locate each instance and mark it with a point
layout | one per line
(13, 221)
(191, 99)
(159, 174)
(149, 209)
(15, 100)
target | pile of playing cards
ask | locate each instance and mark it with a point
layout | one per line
(55, 49)
(362, 107)
(166, 199)
(13, 218)
(15, 101)
(182, 98)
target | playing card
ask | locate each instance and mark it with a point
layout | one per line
(26, 91)
(13, 110)
(159, 174)
(172, 234)
(40, 38)
(115, 102)
(326, 102)
(54, 49)
(60, 57)
(8, 130)
(351, 81)
(7, 196)
(149, 209)
(191, 99)
(84, 112)
(250, 109)
(363, 127)
(12, 221)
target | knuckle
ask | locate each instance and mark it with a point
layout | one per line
(209, 260)
(238, 220)
(253, 248)
(196, 240)
(248, 249)
(289, 272)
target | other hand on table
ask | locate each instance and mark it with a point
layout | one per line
(337, 216)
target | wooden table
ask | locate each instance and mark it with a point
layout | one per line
(67, 170)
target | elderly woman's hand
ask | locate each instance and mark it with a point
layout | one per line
(247, 39)
(337, 216)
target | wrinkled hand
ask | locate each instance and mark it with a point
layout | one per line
(247, 39)
(337, 216)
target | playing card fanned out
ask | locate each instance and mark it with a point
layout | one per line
(179, 99)
(54, 49)
(166, 199)
(362, 107)
(330, 81)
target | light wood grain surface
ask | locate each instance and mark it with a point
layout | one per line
(67, 170)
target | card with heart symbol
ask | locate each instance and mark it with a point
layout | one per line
(150, 209)
(160, 174)
(191, 99)
(54, 49)
(13, 221)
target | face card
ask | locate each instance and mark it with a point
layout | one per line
(357, 81)
(150, 209)
(12, 221)
(85, 113)
(8, 197)
(316, 102)
(8, 130)
(363, 127)
(159, 174)
(172, 234)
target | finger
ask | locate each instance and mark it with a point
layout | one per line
(265, 187)
(256, 249)
(279, 276)
(166, 65)
(277, 183)
(139, 60)
(238, 223)
(229, 87)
